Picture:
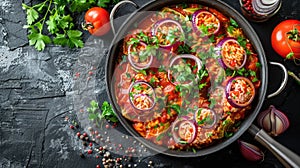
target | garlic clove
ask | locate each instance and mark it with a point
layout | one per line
(273, 121)
(250, 151)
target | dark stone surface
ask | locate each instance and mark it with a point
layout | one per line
(43, 93)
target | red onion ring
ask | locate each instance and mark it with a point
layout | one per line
(231, 101)
(178, 125)
(139, 66)
(160, 23)
(189, 56)
(222, 60)
(204, 125)
(195, 22)
(150, 98)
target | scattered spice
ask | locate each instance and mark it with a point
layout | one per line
(90, 151)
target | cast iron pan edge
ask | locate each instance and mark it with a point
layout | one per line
(250, 33)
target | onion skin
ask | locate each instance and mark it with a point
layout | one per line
(161, 22)
(228, 88)
(133, 64)
(273, 121)
(194, 22)
(250, 151)
(218, 52)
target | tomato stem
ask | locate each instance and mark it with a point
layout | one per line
(294, 35)
(86, 26)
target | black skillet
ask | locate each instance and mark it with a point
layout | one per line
(287, 157)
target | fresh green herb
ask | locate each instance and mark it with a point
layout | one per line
(209, 134)
(233, 23)
(183, 142)
(228, 134)
(202, 85)
(253, 74)
(232, 26)
(152, 81)
(143, 71)
(51, 21)
(162, 68)
(202, 73)
(194, 150)
(258, 65)
(138, 87)
(107, 112)
(207, 120)
(242, 41)
(213, 102)
(182, 72)
(133, 41)
(230, 29)
(124, 59)
(128, 75)
(175, 107)
(159, 137)
(184, 49)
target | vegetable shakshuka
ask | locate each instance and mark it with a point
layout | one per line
(186, 77)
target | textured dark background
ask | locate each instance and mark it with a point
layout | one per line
(41, 96)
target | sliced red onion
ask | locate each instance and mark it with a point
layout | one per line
(138, 65)
(250, 151)
(265, 7)
(223, 62)
(273, 121)
(184, 131)
(233, 101)
(150, 97)
(162, 22)
(186, 56)
(205, 118)
(195, 21)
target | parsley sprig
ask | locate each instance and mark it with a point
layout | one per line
(51, 22)
(106, 112)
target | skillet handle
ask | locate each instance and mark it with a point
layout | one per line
(284, 80)
(114, 10)
(287, 157)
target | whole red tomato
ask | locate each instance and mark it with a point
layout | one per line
(97, 21)
(285, 39)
